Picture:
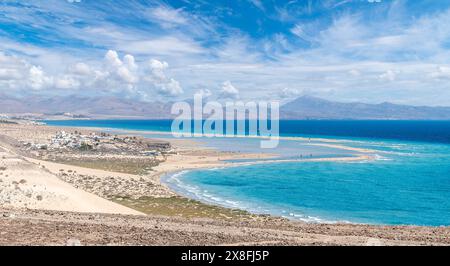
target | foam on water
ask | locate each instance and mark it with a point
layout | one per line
(174, 181)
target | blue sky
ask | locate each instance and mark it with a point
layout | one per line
(345, 50)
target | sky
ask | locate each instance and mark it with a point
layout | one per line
(369, 51)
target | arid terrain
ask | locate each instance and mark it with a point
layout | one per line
(39, 227)
(67, 186)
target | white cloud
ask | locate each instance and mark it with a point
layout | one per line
(298, 31)
(289, 93)
(167, 16)
(37, 78)
(155, 64)
(122, 75)
(8, 74)
(205, 93)
(440, 73)
(115, 75)
(355, 73)
(157, 69)
(158, 77)
(228, 91)
(112, 59)
(126, 75)
(16, 74)
(11, 68)
(170, 88)
(129, 61)
(389, 75)
(125, 72)
(259, 4)
(168, 45)
(81, 69)
(66, 83)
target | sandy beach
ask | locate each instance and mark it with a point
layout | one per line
(81, 195)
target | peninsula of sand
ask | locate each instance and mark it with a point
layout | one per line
(77, 186)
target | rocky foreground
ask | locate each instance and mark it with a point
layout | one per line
(40, 227)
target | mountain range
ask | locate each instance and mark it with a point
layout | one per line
(304, 107)
(307, 107)
(85, 106)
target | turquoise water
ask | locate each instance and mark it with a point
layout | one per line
(407, 183)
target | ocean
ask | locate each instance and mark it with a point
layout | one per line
(407, 184)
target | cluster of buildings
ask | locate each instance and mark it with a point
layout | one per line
(64, 140)
(76, 140)
(102, 142)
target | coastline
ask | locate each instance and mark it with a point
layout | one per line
(169, 209)
(196, 157)
(179, 166)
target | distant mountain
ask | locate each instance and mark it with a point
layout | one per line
(307, 107)
(87, 106)
(8, 104)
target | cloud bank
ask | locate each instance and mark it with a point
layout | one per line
(370, 51)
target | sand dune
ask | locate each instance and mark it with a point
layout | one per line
(27, 185)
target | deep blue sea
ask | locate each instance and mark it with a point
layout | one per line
(407, 183)
(429, 131)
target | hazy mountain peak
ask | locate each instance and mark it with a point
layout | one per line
(308, 107)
